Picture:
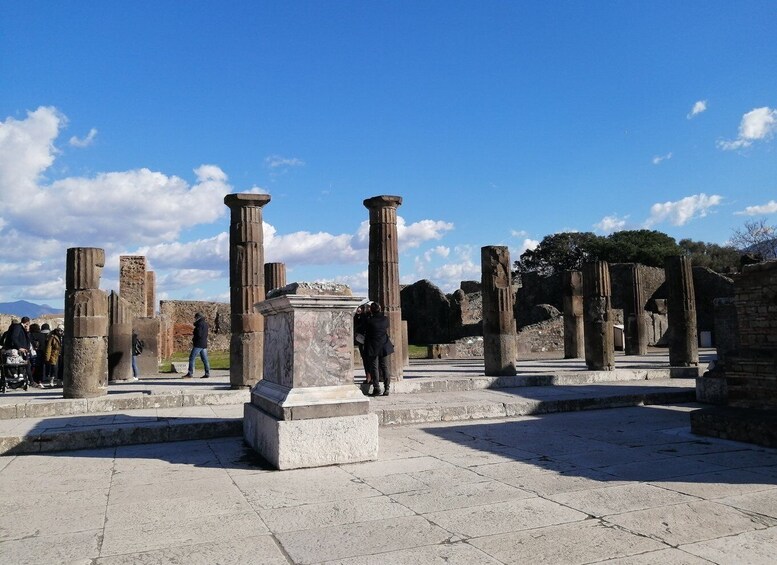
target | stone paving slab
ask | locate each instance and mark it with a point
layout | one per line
(215, 501)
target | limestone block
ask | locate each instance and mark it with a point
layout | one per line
(86, 366)
(304, 403)
(132, 283)
(86, 313)
(83, 268)
(295, 444)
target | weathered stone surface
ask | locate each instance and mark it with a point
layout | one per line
(274, 276)
(499, 348)
(383, 271)
(634, 319)
(428, 313)
(119, 340)
(132, 283)
(84, 267)
(597, 317)
(150, 294)
(311, 289)
(246, 285)
(86, 313)
(295, 444)
(681, 303)
(572, 291)
(148, 330)
(178, 324)
(86, 366)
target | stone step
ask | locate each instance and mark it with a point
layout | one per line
(155, 425)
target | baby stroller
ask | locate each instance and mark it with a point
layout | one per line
(13, 370)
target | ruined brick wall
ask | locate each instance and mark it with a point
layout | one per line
(178, 324)
(132, 284)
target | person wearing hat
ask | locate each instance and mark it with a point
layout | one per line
(199, 346)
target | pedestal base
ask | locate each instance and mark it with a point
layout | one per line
(295, 444)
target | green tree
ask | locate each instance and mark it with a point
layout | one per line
(557, 253)
(648, 247)
(719, 258)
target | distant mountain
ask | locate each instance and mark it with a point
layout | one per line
(23, 308)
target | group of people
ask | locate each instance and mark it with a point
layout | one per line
(40, 347)
(371, 337)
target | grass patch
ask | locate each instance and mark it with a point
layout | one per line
(217, 360)
(417, 351)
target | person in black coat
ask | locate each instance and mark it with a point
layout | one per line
(199, 346)
(377, 346)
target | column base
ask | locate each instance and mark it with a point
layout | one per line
(296, 444)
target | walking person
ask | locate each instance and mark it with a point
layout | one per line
(378, 346)
(199, 346)
(137, 349)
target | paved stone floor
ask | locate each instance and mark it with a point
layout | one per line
(630, 485)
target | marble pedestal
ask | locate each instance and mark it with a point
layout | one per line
(306, 411)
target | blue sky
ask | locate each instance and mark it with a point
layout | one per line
(123, 125)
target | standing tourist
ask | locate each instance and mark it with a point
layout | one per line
(377, 346)
(52, 357)
(199, 346)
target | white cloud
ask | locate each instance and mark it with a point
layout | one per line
(658, 158)
(439, 250)
(525, 246)
(768, 208)
(610, 224)
(415, 234)
(86, 141)
(697, 109)
(277, 161)
(757, 124)
(519, 233)
(682, 211)
(181, 278)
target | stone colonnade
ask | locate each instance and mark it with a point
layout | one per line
(499, 334)
(384, 272)
(85, 343)
(597, 318)
(636, 339)
(246, 287)
(119, 339)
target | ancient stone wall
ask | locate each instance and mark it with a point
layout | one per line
(178, 324)
(428, 313)
(132, 284)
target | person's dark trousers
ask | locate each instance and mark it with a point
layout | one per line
(379, 372)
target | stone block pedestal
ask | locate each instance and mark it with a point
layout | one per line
(307, 411)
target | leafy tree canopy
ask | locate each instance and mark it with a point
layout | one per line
(719, 258)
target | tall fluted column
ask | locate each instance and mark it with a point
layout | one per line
(384, 271)
(499, 347)
(572, 294)
(246, 287)
(681, 308)
(85, 343)
(634, 313)
(597, 317)
(119, 339)
(274, 276)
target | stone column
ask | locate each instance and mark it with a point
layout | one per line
(150, 294)
(681, 308)
(119, 339)
(132, 284)
(634, 313)
(274, 276)
(572, 296)
(405, 345)
(306, 412)
(85, 343)
(597, 317)
(499, 346)
(384, 272)
(246, 287)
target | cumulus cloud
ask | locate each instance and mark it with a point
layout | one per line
(413, 235)
(85, 141)
(519, 233)
(439, 250)
(526, 245)
(610, 224)
(697, 109)
(758, 124)
(680, 212)
(658, 158)
(278, 162)
(760, 210)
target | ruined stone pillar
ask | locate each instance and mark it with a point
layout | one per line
(572, 295)
(634, 319)
(119, 339)
(306, 412)
(405, 345)
(246, 287)
(274, 276)
(384, 272)
(597, 317)
(150, 294)
(132, 284)
(85, 343)
(499, 346)
(681, 308)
